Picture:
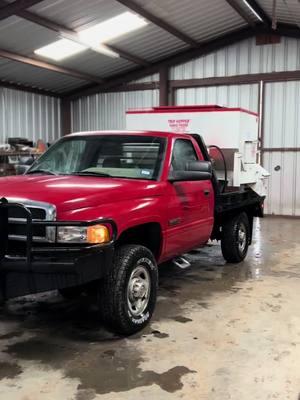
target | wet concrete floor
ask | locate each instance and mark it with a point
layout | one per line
(220, 331)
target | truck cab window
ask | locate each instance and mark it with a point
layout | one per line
(117, 156)
(183, 152)
(66, 158)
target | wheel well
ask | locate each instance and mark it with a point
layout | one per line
(148, 235)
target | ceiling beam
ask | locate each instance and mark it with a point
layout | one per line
(241, 11)
(179, 58)
(49, 67)
(25, 88)
(9, 9)
(158, 21)
(283, 29)
(70, 33)
(128, 56)
(287, 30)
(282, 76)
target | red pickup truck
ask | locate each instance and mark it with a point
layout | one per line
(108, 208)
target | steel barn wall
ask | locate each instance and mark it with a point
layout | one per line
(29, 115)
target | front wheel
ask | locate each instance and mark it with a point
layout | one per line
(236, 238)
(127, 296)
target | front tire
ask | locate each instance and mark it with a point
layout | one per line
(236, 238)
(128, 294)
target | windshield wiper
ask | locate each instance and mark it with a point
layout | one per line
(93, 173)
(41, 171)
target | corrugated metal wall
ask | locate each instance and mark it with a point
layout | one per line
(281, 110)
(282, 115)
(245, 96)
(281, 130)
(24, 114)
(243, 58)
(107, 110)
(283, 187)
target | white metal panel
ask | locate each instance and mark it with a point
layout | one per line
(22, 36)
(244, 57)
(29, 115)
(147, 79)
(244, 96)
(282, 130)
(282, 114)
(283, 191)
(78, 14)
(200, 19)
(150, 43)
(107, 110)
(286, 10)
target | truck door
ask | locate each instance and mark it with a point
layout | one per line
(190, 210)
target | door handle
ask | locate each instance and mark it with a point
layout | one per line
(206, 192)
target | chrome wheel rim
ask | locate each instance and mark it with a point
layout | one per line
(242, 237)
(138, 290)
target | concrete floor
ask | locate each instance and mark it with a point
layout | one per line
(219, 332)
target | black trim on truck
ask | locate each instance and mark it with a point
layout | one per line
(49, 266)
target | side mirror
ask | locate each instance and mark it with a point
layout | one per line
(195, 171)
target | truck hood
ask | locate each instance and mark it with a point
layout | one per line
(76, 192)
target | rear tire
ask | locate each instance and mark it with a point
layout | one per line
(127, 296)
(236, 238)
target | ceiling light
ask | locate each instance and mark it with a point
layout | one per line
(253, 11)
(111, 29)
(60, 49)
(94, 37)
(100, 48)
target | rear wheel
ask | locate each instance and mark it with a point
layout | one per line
(127, 296)
(236, 238)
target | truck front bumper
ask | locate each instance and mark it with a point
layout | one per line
(50, 266)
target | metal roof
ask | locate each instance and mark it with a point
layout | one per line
(97, 64)
(21, 36)
(78, 14)
(14, 72)
(199, 21)
(287, 11)
(150, 43)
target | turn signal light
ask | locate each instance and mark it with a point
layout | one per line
(98, 234)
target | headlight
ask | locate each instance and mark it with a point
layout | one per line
(94, 234)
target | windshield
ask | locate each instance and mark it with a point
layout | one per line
(123, 156)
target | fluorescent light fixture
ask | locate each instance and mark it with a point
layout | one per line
(253, 11)
(102, 49)
(60, 49)
(94, 37)
(111, 29)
